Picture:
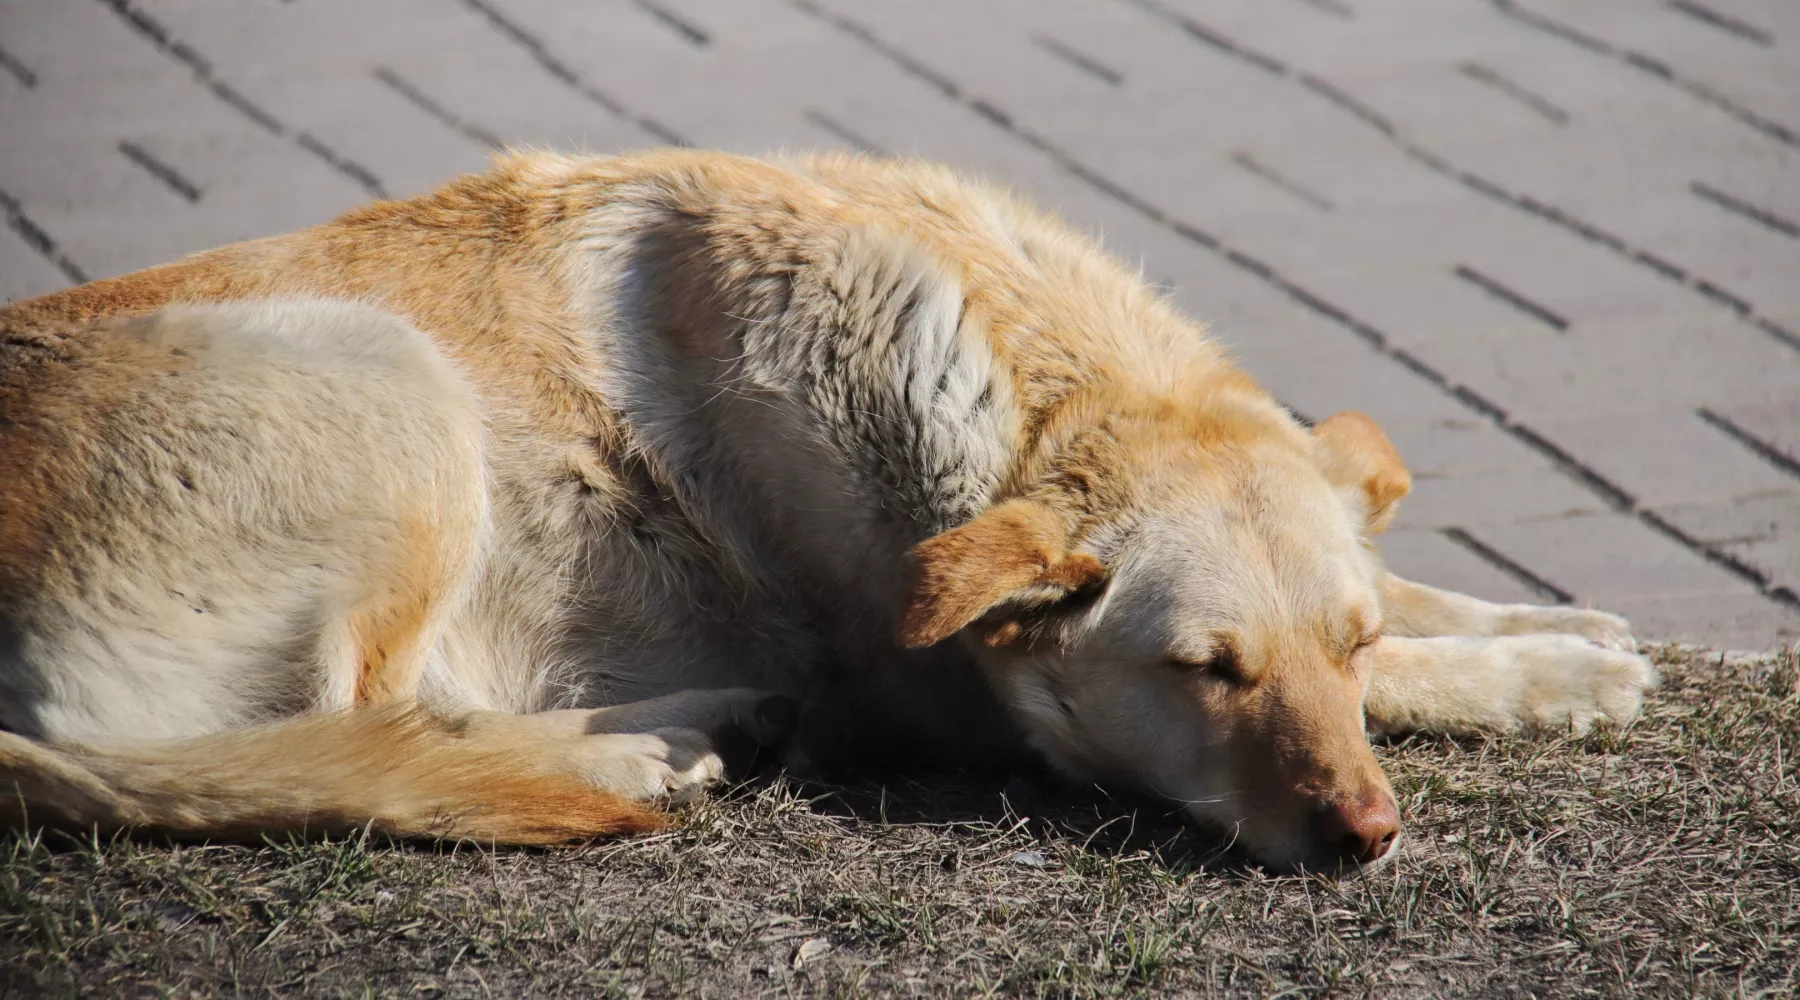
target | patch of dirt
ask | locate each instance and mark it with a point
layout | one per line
(1660, 859)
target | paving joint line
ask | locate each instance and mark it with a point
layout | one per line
(1545, 107)
(1336, 7)
(418, 99)
(1724, 22)
(1213, 38)
(152, 31)
(1512, 298)
(39, 240)
(1615, 496)
(1651, 66)
(1754, 213)
(1080, 60)
(169, 176)
(540, 53)
(1505, 564)
(1778, 593)
(1542, 211)
(844, 133)
(689, 32)
(1357, 109)
(21, 72)
(1257, 168)
(1762, 449)
(342, 164)
(1612, 493)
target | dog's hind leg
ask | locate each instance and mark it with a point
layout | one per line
(219, 515)
(385, 639)
(1416, 610)
(1464, 685)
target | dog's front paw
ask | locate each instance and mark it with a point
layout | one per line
(673, 763)
(1564, 683)
(1598, 627)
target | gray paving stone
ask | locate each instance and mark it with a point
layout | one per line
(1744, 69)
(1458, 446)
(614, 47)
(1622, 365)
(321, 84)
(1474, 499)
(517, 104)
(1692, 235)
(1773, 423)
(1347, 376)
(1668, 456)
(23, 270)
(1723, 619)
(1778, 16)
(1431, 558)
(75, 183)
(1607, 558)
(1759, 530)
(1579, 284)
(61, 42)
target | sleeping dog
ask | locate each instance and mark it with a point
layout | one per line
(492, 513)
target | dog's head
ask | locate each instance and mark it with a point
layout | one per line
(1192, 612)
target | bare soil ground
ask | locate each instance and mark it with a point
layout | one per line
(1658, 860)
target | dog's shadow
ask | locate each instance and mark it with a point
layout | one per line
(1029, 804)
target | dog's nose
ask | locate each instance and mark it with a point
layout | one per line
(1359, 829)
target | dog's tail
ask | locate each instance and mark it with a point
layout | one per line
(399, 771)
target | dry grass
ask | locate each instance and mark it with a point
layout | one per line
(1663, 859)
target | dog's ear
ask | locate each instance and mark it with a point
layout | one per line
(1015, 552)
(1357, 456)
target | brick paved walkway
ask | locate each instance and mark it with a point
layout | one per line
(1553, 247)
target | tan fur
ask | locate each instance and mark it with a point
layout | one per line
(515, 500)
(398, 771)
(393, 628)
(1353, 449)
(963, 573)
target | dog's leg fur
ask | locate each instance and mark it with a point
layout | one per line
(672, 746)
(397, 770)
(1463, 685)
(489, 776)
(1416, 610)
(221, 514)
(1452, 663)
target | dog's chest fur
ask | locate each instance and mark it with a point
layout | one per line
(799, 401)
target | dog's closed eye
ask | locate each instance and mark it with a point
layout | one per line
(1218, 664)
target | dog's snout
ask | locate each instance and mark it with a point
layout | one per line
(1359, 829)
